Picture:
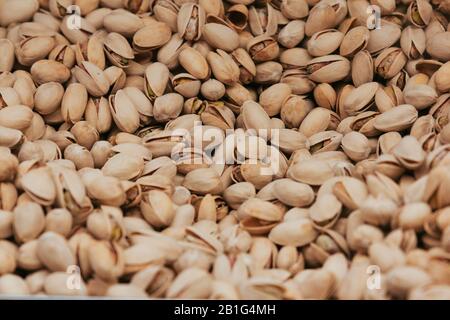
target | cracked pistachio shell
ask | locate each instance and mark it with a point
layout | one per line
(325, 141)
(16, 117)
(419, 13)
(124, 166)
(355, 40)
(167, 12)
(396, 119)
(223, 67)
(107, 190)
(93, 78)
(324, 42)
(190, 20)
(290, 140)
(361, 98)
(141, 256)
(325, 96)
(351, 192)
(106, 259)
(141, 103)
(220, 36)
(218, 116)
(44, 71)
(154, 280)
(295, 233)
(156, 80)
(325, 210)
(293, 193)
(261, 210)
(387, 141)
(322, 16)
(157, 208)
(313, 172)
(294, 109)
(262, 20)
(388, 97)
(116, 78)
(118, 50)
(194, 63)
(124, 112)
(54, 252)
(379, 184)
(263, 48)
(168, 53)
(64, 54)
(246, 65)
(413, 42)
(98, 114)
(362, 61)
(39, 186)
(328, 69)
(272, 98)
(292, 34)
(383, 38)
(34, 48)
(389, 62)
(9, 97)
(106, 223)
(85, 134)
(152, 36)
(29, 221)
(74, 102)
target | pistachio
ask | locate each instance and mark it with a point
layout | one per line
(328, 69)
(220, 36)
(194, 63)
(151, 37)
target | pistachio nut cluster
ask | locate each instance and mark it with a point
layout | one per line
(355, 109)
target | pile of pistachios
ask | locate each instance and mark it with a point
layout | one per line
(225, 149)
